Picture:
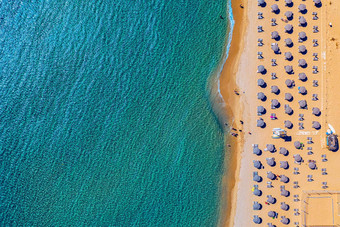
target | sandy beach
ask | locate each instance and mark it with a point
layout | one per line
(296, 189)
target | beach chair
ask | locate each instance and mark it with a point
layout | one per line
(274, 62)
(315, 29)
(315, 97)
(315, 55)
(273, 20)
(315, 83)
(269, 184)
(260, 42)
(273, 116)
(324, 185)
(274, 76)
(259, 55)
(260, 28)
(315, 43)
(259, 15)
(324, 172)
(324, 159)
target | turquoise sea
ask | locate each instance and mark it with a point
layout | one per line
(105, 114)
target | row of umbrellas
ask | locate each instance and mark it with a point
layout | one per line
(289, 3)
(288, 68)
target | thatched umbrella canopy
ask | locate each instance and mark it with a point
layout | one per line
(257, 151)
(275, 48)
(271, 199)
(283, 151)
(271, 161)
(275, 102)
(284, 179)
(260, 123)
(288, 97)
(284, 192)
(302, 20)
(302, 62)
(289, 83)
(261, 96)
(261, 109)
(297, 144)
(285, 221)
(316, 125)
(284, 164)
(257, 220)
(316, 111)
(288, 27)
(271, 214)
(257, 164)
(302, 76)
(275, 8)
(317, 2)
(302, 35)
(284, 206)
(288, 2)
(257, 178)
(260, 82)
(302, 90)
(271, 176)
(260, 2)
(302, 7)
(288, 55)
(288, 110)
(303, 103)
(297, 158)
(288, 14)
(289, 68)
(275, 89)
(270, 147)
(257, 206)
(288, 124)
(261, 69)
(302, 49)
(257, 192)
(312, 165)
(275, 35)
(288, 41)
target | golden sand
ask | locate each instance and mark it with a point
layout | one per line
(240, 74)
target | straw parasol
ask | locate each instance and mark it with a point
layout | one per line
(288, 41)
(288, 28)
(261, 2)
(257, 178)
(260, 69)
(257, 220)
(297, 158)
(275, 8)
(260, 82)
(275, 89)
(284, 179)
(270, 147)
(302, 35)
(284, 206)
(285, 221)
(271, 161)
(284, 192)
(302, 20)
(284, 164)
(275, 35)
(289, 68)
(257, 151)
(257, 206)
(316, 125)
(303, 103)
(288, 14)
(289, 83)
(283, 151)
(260, 123)
(275, 48)
(260, 109)
(312, 165)
(302, 90)
(271, 214)
(257, 164)
(271, 176)
(316, 111)
(297, 144)
(288, 124)
(257, 192)
(302, 76)
(271, 199)
(275, 102)
(261, 96)
(302, 62)
(302, 7)
(302, 49)
(288, 97)
(288, 55)
(288, 110)
(317, 2)
(288, 2)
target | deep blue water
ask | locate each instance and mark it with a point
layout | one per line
(104, 112)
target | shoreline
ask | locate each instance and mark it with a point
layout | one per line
(233, 111)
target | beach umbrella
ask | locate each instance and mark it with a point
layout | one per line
(288, 110)
(288, 41)
(260, 69)
(257, 151)
(260, 109)
(302, 20)
(275, 89)
(288, 124)
(257, 192)
(275, 102)
(288, 96)
(302, 62)
(257, 220)
(297, 144)
(271, 214)
(271, 225)
(261, 2)
(284, 179)
(312, 165)
(275, 48)
(284, 206)
(271, 161)
(302, 90)
(289, 83)
(284, 164)
(288, 55)
(257, 206)
(261, 96)
(317, 2)
(316, 125)
(302, 49)
(316, 111)
(288, 2)
(302, 76)
(257, 164)
(289, 68)
(271, 176)
(303, 103)
(260, 82)
(297, 158)
(285, 220)
(283, 151)
(284, 192)
(260, 123)
(288, 14)
(275, 7)
(288, 27)
(302, 35)
(275, 35)
(302, 7)
(257, 178)
(270, 147)
(271, 199)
